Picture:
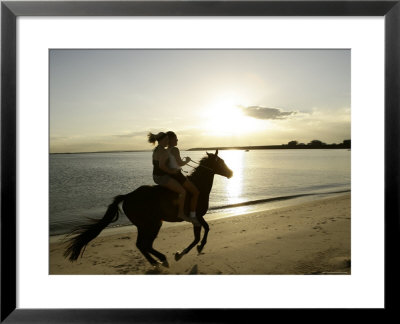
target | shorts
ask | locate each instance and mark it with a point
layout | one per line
(161, 179)
(179, 177)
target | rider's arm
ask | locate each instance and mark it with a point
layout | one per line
(177, 155)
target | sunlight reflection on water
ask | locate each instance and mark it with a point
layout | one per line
(234, 187)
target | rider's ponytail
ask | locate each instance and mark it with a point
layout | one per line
(152, 138)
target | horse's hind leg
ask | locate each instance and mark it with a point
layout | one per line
(144, 245)
(145, 239)
(153, 251)
(160, 256)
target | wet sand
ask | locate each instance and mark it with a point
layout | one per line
(307, 238)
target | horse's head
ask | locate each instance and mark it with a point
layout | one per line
(214, 162)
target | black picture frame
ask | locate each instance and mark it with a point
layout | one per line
(10, 10)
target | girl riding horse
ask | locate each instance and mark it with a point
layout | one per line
(148, 206)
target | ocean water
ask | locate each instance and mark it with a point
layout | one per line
(83, 185)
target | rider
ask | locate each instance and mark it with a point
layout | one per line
(162, 173)
(176, 162)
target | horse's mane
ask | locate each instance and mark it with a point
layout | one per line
(204, 159)
(197, 169)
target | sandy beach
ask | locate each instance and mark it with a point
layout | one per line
(307, 238)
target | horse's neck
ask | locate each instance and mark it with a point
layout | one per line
(203, 180)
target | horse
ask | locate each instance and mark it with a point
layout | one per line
(148, 206)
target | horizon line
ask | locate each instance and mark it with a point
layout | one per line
(249, 147)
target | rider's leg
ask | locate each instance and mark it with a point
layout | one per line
(174, 185)
(189, 186)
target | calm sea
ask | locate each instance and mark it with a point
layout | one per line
(83, 185)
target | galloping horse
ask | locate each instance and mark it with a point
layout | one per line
(147, 206)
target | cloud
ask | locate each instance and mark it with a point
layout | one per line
(132, 134)
(59, 138)
(266, 113)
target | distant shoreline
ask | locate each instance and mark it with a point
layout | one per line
(239, 148)
(273, 147)
(127, 151)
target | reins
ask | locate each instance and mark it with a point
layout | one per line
(207, 168)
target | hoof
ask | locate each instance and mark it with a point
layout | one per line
(199, 248)
(165, 264)
(178, 256)
(155, 267)
(156, 264)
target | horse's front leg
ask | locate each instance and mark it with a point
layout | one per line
(206, 230)
(196, 232)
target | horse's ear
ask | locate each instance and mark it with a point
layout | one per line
(216, 152)
(208, 153)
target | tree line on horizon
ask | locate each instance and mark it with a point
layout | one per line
(318, 143)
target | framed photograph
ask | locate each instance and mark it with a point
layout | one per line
(287, 111)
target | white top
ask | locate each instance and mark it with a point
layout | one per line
(172, 161)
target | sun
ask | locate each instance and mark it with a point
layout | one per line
(225, 118)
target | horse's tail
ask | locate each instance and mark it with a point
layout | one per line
(88, 232)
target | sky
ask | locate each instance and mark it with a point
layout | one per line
(108, 100)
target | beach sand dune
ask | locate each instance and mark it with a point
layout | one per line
(308, 238)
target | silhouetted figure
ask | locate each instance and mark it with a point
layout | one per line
(176, 162)
(164, 175)
(148, 206)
